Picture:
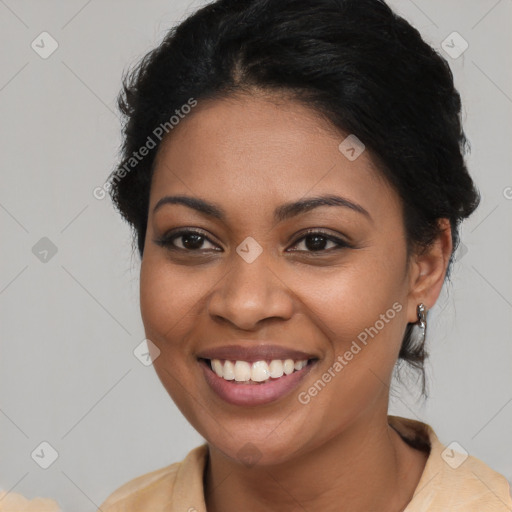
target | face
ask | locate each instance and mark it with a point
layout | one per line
(250, 277)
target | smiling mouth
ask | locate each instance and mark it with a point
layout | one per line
(256, 373)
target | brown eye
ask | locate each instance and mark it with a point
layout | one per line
(317, 241)
(192, 241)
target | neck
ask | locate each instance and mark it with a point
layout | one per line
(365, 467)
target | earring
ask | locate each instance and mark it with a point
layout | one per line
(422, 321)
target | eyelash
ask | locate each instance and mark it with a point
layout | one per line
(167, 241)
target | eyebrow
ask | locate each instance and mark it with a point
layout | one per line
(281, 213)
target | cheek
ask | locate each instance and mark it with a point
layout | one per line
(169, 297)
(360, 309)
(353, 297)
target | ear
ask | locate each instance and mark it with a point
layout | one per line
(428, 270)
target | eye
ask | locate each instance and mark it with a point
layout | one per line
(194, 241)
(191, 240)
(316, 241)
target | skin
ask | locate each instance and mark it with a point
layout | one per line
(249, 154)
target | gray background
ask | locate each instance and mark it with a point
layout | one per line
(69, 325)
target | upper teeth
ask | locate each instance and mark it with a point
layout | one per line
(259, 371)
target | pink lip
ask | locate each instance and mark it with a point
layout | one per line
(252, 353)
(253, 393)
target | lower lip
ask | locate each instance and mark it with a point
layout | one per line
(253, 394)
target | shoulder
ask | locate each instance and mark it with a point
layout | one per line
(453, 479)
(158, 489)
(466, 483)
(141, 489)
(10, 501)
(471, 487)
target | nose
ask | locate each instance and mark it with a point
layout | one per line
(249, 294)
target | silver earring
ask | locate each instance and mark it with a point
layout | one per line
(422, 321)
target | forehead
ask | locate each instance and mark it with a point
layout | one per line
(260, 149)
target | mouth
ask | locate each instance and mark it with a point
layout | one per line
(258, 372)
(241, 382)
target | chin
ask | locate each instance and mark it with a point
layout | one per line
(256, 447)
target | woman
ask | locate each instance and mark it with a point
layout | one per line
(294, 174)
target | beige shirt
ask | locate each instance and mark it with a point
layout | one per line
(450, 481)
(14, 502)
